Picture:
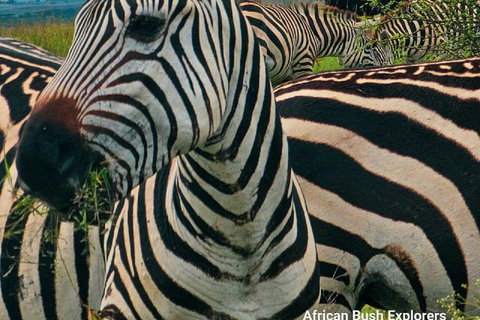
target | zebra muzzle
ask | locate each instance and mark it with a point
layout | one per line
(53, 161)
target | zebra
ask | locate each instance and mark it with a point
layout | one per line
(341, 34)
(391, 180)
(288, 44)
(49, 268)
(427, 259)
(369, 52)
(208, 135)
(416, 28)
(24, 71)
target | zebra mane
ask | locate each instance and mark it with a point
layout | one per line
(337, 11)
(326, 8)
(394, 13)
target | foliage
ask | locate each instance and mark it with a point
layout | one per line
(454, 300)
(93, 204)
(369, 309)
(381, 6)
(459, 27)
(454, 24)
(450, 304)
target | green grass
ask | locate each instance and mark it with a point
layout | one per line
(93, 205)
(369, 309)
(326, 64)
(53, 36)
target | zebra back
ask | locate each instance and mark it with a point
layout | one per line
(391, 181)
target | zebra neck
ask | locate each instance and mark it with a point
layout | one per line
(241, 192)
(240, 185)
(338, 37)
(335, 31)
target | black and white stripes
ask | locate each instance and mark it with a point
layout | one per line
(420, 27)
(287, 42)
(392, 179)
(340, 34)
(213, 222)
(24, 72)
(292, 38)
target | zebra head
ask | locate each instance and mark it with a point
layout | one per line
(143, 82)
(382, 48)
(371, 50)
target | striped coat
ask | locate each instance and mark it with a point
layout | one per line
(392, 180)
(340, 34)
(422, 27)
(288, 44)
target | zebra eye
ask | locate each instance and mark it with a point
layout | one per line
(145, 28)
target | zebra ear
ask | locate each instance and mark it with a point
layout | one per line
(362, 29)
(359, 26)
(369, 34)
(384, 36)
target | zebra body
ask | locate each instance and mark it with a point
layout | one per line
(49, 269)
(339, 34)
(291, 38)
(215, 143)
(391, 181)
(288, 44)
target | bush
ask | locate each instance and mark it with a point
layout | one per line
(454, 300)
(455, 25)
